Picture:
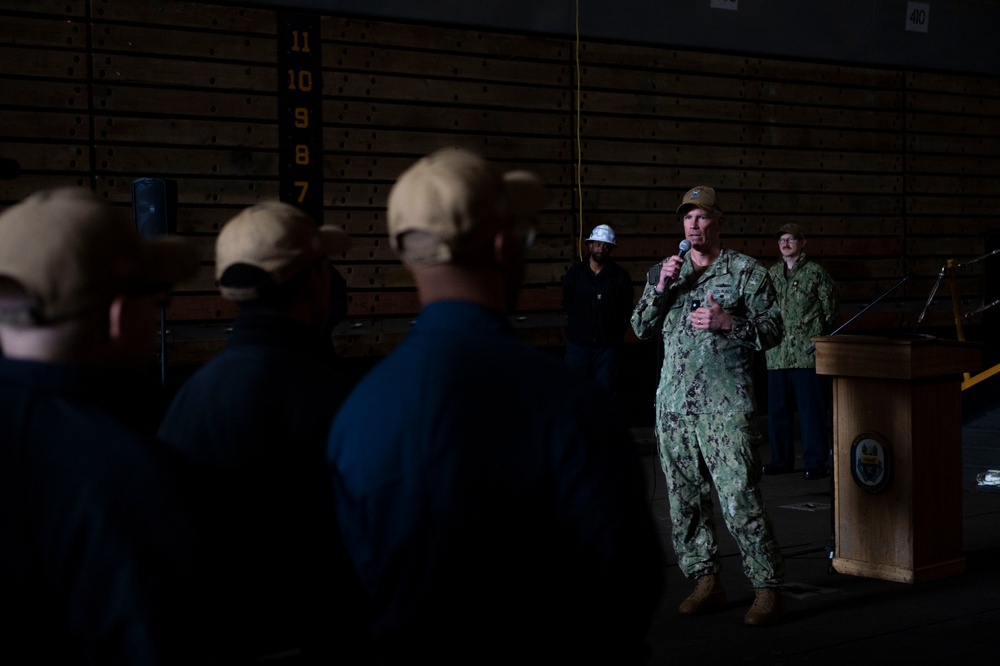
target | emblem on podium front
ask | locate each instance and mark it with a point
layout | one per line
(871, 462)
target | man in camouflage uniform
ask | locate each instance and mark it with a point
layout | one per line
(713, 309)
(808, 300)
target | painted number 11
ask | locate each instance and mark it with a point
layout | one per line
(300, 41)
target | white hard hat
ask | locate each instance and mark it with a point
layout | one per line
(604, 234)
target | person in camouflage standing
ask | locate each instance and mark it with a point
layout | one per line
(714, 309)
(807, 296)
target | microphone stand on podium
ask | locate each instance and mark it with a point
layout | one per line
(865, 309)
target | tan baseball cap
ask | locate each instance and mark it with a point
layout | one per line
(459, 198)
(701, 196)
(279, 239)
(71, 251)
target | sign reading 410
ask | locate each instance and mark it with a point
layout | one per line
(300, 103)
(918, 16)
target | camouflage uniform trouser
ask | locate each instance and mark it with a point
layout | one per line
(697, 451)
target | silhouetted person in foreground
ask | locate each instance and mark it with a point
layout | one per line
(490, 498)
(255, 420)
(97, 545)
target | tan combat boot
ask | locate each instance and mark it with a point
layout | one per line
(708, 596)
(768, 607)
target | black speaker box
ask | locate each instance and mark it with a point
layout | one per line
(154, 206)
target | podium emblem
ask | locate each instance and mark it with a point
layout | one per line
(870, 462)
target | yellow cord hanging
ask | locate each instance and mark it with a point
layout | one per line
(579, 148)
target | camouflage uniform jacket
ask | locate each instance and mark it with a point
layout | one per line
(808, 302)
(711, 371)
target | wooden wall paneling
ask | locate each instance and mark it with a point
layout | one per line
(736, 202)
(407, 61)
(204, 280)
(59, 8)
(822, 229)
(44, 111)
(962, 145)
(385, 303)
(51, 126)
(12, 191)
(540, 300)
(953, 165)
(952, 200)
(395, 92)
(146, 101)
(892, 172)
(182, 14)
(378, 275)
(187, 91)
(348, 141)
(369, 85)
(681, 151)
(233, 193)
(671, 108)
(45, 32)
(162, 71)
(56, 96)
(657, 57)
(948, 225)
(368, 113)
(211, 132)
(967, 193)
(378, 256)
(202, 307)
(199, 47)
(944, 246)
(199, 161)
(445, 39)
(965, 126)
(947, 82)
(70, 159)
(735, 134)
(206, 220)
(780, 142)
(739, 88)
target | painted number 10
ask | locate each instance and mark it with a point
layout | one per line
(301, 80)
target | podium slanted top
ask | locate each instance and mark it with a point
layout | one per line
(892, 357)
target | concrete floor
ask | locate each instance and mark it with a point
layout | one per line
(832, 618)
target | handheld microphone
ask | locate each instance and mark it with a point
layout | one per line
(654, 273)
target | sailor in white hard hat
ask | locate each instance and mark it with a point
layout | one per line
(598, 297)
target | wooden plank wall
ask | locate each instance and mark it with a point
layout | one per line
(892, 172)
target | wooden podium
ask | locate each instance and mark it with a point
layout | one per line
(897, 453)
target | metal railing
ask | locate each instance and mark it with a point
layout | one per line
(949, 270)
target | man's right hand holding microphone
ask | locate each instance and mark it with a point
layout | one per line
(670, 268)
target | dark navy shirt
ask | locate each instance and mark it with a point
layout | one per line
(492, 501)
(255, 419)
(96, 543)
(598, 305)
